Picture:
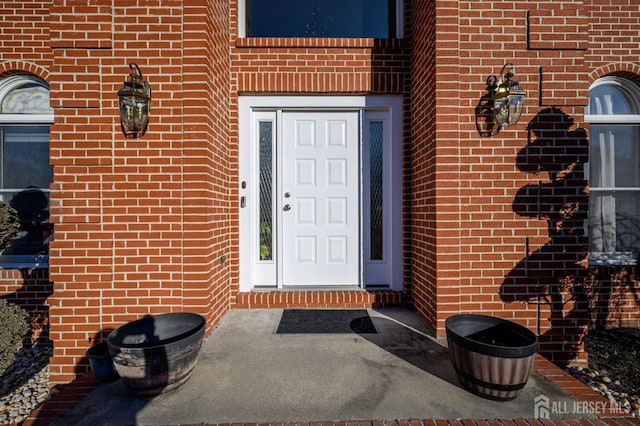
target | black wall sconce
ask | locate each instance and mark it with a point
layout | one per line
(507, 98)
(133, 100)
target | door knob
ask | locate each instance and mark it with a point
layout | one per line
(286, 207)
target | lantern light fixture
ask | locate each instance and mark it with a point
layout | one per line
(507, 97)
(133, 100)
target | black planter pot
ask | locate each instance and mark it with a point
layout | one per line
(157, 354)
(101, 363)
(493, 357)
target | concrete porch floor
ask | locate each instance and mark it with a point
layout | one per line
(249, 373)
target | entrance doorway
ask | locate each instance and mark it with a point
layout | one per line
(319, 193)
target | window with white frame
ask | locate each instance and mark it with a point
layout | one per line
(25, 171)
(320, 18)
(614, 171)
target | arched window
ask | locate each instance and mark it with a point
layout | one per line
(614, 171)
(25, 172)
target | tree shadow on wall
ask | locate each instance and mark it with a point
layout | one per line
(553, 274)
(611, 290)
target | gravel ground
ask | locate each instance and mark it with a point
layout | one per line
(613, 369)
(618, 352)
(25, 384)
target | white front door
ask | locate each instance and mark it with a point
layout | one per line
(320, 198)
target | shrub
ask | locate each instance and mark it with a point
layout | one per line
(13, 329)
(9, 224)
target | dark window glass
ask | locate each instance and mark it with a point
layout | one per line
(321, 18)
(24, 155)
(376, 176)
(266, 190)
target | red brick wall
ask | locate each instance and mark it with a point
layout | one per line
(25, 36)
(24, 30)
(424, 169)
(210, 258)
(276, 65)
(493, 222)
(142, 226)
(498, 220)
(613, 294)
(316, 66)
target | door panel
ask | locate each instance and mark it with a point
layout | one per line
(320, 206)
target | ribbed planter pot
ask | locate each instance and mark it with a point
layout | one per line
(157, 354)
(492, 357)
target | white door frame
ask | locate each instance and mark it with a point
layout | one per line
(386, 272)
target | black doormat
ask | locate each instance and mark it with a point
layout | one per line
(329, 321)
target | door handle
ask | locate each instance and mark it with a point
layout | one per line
(286, 207)
(243, 202)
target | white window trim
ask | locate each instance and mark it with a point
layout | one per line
(620, 119)
(264, 271)
(612, 258)
(9, 83)
(242, 19)
(6, 86)
(251, 108)
(35, 119)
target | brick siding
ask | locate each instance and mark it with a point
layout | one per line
(497, 221)
(24, 27)
(493, 223)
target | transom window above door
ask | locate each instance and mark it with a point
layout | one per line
(321, 18)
